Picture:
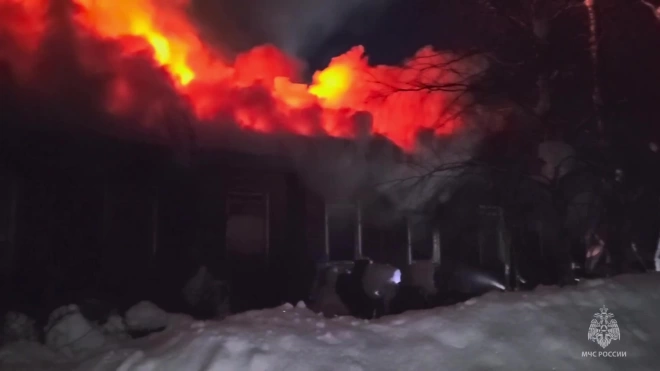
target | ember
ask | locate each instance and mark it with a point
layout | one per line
(259, 91)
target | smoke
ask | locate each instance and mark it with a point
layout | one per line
(371, 168)
(147, 71)
(294, 26)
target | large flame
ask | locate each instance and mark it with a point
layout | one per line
(259, 90)
(172, 38)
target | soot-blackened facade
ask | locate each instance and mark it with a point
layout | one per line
(86, 216)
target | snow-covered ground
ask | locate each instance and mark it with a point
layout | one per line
(542, 330)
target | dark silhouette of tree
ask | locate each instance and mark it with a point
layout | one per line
(546, 84)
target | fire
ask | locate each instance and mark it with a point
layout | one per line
(172, 38)
(23, 21)
(332, 83)
(345, 82)
(156, 58)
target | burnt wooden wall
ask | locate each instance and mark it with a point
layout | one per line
(8, 198)
(79, 223)
(288, 263)
(126, 220)
(78, 234)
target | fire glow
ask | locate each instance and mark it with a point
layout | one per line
(260, 90)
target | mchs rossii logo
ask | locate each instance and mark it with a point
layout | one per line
(603, 330)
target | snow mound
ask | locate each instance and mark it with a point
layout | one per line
(145, 316)
(115, 326)
(70, 333)
(542, 330)
(32, 356)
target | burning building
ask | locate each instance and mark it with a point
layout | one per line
(120, 110)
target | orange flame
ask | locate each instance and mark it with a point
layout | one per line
(331, 84)
(259, 91)
(172, 38)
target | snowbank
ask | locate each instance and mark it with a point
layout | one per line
(145, 316)
(69, 332)
(542, 330)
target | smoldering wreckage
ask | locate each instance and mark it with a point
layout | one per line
(219, 188)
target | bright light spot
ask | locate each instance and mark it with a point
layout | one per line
(499, 285)
(396, 277)
(332, 83)
(173, 46)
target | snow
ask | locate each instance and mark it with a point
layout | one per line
(115, 327)
(145, 316)
(542, 330)
(69, 332)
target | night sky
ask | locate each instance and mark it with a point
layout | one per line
(392, 30)
(401, 29)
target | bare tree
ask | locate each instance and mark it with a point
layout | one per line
(508, 159)
(533, 21)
